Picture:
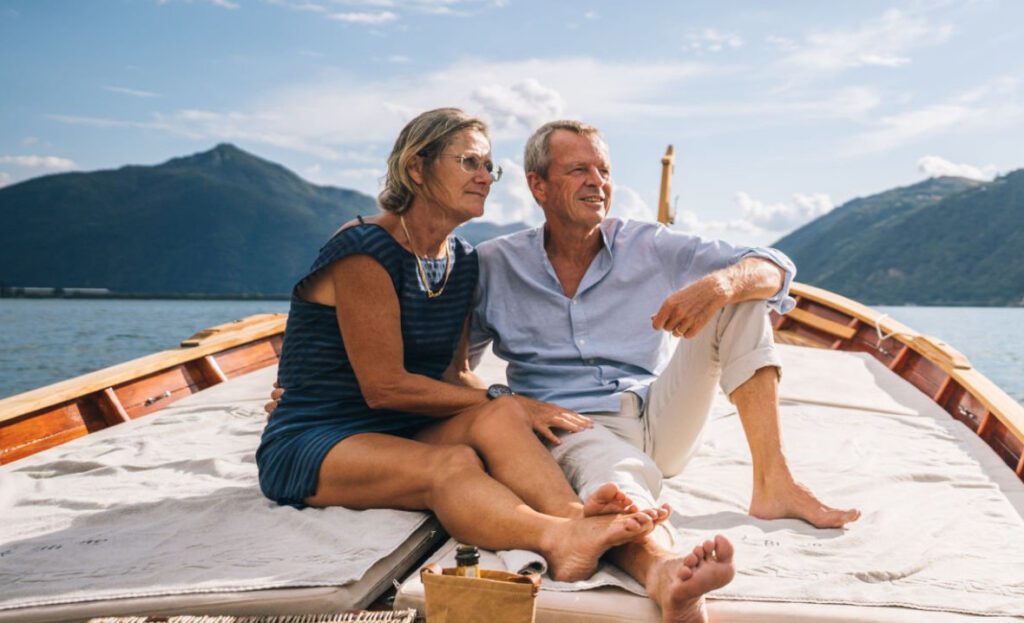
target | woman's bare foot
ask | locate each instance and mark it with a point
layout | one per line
(782, 497)
(678, 584)
(608, 499)
(573, 550)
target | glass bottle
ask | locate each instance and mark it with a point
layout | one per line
(467, 561)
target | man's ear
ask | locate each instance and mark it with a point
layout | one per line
(415, 169)
(538, 186)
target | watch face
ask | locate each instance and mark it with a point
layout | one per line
(498, 390)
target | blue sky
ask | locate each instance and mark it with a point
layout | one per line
(779, 110)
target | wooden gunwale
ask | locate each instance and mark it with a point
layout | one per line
(824, 319)
(42, 418)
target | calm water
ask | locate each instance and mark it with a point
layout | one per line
(48, 340)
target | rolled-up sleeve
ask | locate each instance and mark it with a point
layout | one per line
(688, 258)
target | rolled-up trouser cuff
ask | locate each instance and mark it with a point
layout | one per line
(739, 371)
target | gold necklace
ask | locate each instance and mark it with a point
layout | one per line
(431, 294)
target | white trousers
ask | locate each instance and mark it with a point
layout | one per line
(642, 443)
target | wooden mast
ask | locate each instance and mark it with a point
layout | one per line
(665, 216)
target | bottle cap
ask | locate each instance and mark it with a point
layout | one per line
(467, 555)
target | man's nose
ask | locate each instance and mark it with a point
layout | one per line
(594, 177)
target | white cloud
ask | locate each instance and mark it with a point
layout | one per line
(523, 105)
(736, 231)
(5, 179)
(52, 163)
(510, 200)
(304, 117)
(381, 17)
(132, 92)
(711, 40)
(934, 166)
(883, 42)
(627, 203)
(592, 15)
(29, 141)
(398, 59)
(783, 216)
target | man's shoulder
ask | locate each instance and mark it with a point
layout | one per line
(509, 243)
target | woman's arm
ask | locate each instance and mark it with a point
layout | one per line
(369, 318)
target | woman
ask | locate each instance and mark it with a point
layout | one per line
(375, 414)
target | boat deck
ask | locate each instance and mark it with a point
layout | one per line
(163, 515)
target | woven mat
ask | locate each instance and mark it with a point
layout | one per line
(398, 616)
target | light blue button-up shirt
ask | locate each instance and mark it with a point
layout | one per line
(583, 353)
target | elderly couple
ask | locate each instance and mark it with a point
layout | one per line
(381, 408)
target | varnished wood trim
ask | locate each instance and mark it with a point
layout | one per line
(114, 405)
(900, 358)
(248, 330)
(212, 370)
(803, 316)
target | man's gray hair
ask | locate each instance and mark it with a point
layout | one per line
(537, 156)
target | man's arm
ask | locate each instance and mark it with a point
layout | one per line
(459, 371)
(685, 312)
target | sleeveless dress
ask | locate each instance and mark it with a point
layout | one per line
(322, 403)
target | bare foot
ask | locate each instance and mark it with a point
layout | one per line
(779, 498)
(608, 499)
(678, 584)
(573, 550)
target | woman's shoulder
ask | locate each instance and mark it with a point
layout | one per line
(364, 238)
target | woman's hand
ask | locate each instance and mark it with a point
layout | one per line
(546, 416)
(275, 397)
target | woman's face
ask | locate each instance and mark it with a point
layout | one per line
(462, 193)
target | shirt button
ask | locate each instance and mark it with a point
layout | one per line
(574, 301)
(581, 341)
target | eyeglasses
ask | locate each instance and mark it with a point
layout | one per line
(472, 164)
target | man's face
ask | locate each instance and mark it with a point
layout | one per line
(578, 188)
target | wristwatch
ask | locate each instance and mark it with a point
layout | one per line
(498, 390)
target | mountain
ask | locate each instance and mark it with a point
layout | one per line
(221, 222)
(943, 241)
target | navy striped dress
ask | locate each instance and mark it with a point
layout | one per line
(322, 403)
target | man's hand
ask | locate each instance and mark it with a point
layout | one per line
(686, 312)
(275, 397)
(546, 416)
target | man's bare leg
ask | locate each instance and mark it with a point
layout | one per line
(678, 583)
(776, 493)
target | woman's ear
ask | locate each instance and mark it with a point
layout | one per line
(415, 169)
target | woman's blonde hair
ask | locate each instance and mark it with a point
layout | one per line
(425, 136)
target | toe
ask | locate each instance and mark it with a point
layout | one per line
(691, 560)
(723, 549)
(709, 549)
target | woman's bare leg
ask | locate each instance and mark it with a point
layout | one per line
(501, 433)
(373, 470)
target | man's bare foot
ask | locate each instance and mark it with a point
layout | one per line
(783, 497)
(573, 550)
(678, 584)
(608, 499)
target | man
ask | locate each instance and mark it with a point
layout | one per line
(584, 309)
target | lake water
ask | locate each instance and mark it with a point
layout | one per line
(43, 341)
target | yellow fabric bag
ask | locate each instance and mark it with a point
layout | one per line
(494, 597)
